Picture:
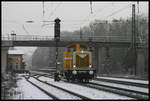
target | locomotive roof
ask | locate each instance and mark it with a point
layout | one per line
(75, 44)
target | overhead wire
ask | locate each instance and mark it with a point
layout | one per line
(80, 20)
(19, 23)
(55, 9)
(91, 6)
(43, 9)
(118, 11)
(25, 29)
(52, 22)
(108, 15)
(88, 17)
(43, 13)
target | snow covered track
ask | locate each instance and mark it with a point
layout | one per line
(47, 93)
(118, 90)
(128, 88)
(70, 95)
(38, 73)
(137, 88)
(82, 90)
(131, 82)
(73, 93)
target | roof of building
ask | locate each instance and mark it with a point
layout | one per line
(15, 52)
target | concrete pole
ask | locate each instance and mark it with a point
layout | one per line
(134, 38)
(99, 58)
(140, 63)
(4, 53)
(96, 60)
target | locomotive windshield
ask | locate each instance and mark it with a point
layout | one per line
(83, 48)
(71, 49)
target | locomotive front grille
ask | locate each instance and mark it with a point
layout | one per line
(82, 60)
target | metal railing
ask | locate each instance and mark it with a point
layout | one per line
(69, 38)
(26, 38)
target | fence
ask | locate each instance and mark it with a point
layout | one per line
(69, 38)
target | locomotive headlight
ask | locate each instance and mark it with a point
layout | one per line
(90, 65)
(90, 72)
(74, 72)
(74, 66)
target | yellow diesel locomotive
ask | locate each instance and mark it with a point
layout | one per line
(78, 63)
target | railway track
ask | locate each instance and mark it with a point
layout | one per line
(102, 88)
(121, 91)
(124, 77)
(131, 88)
(44, 91)
(116, 90)
(123, 82)
(64, 90)
(73, 93)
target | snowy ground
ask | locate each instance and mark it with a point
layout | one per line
(89, 92)
(28, 91)
(59, 93)
(128, 80)
(145, 90)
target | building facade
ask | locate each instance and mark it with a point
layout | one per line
(15, 60)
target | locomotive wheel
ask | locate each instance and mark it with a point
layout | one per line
(56, 77)
(68, 79)
(80, 80)
(86, 80)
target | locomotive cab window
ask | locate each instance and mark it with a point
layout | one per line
(83, 48)
(71, 49)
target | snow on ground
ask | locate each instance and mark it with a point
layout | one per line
(28, 91)
(89, 92)
(122, 86)
(59, 93)
(21, 75)
(128, 80)
(35, 72)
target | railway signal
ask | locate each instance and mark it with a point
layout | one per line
(57, 29)
(57, 38)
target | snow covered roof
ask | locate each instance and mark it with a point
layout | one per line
(15, 52)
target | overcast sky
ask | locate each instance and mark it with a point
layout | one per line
(73, 15)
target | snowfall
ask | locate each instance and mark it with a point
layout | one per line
(28, 91)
